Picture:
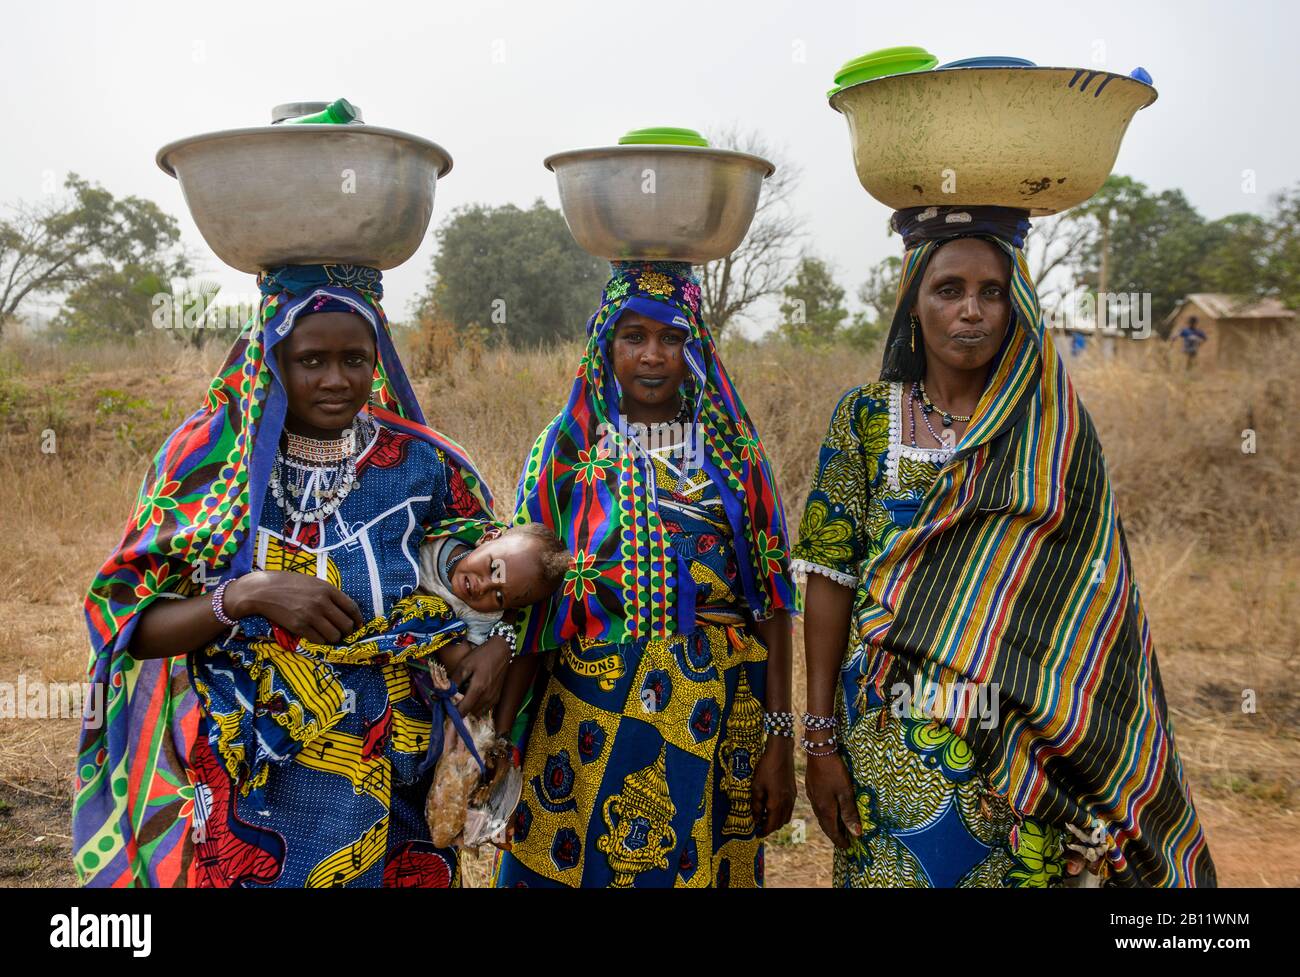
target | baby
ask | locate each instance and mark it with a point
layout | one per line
(506, 570)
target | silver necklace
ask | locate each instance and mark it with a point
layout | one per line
(306, 489)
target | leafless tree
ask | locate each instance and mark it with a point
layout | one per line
(762, 264)
(1054, 247)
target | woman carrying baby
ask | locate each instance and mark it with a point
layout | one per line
(259, 625)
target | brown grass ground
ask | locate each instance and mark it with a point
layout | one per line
(1212, 531)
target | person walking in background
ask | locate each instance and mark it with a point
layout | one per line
(1192, 338)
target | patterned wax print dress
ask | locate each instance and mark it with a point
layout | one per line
(928, 817)
(639, 765)
(347, 807)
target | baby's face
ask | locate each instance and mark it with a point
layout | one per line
(501, 573)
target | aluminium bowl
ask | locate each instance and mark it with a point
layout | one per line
(664, 203)
(308, 194)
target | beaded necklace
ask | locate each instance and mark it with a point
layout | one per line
(929, 407)
(319, 452)
(311, 478)
(914, 398)
(449, 567)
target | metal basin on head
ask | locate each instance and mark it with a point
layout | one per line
(1040, 139)
(308, 194)
(665, 203)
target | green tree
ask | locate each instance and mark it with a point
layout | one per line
(515, 273)
(1235, 257)
(1281, 275)
(65, 244)
(120, 303)
(813, 310)
(1145, 243)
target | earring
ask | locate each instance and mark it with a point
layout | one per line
(915, 322)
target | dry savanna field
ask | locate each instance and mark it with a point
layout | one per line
(1212, 529)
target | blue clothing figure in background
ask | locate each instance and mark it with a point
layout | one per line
(1192, 338)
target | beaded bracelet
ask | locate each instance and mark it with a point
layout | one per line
(219, 604)
(506, 631)
(779, 724)
(829, 747)
(818, 722)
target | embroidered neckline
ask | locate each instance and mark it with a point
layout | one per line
(897, 449)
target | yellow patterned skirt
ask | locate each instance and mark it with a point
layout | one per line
(639, 766)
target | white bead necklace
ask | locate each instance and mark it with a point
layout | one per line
(309, 491)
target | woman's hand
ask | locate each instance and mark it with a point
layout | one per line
(774, 790)
(830, 791)
(480, 675)
(519, 679)
(303, 605)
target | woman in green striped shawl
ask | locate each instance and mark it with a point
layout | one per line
(984, 705)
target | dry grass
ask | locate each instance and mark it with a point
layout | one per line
(1212, 531)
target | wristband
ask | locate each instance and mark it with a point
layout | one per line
(779, 724)
(219, 604)
(506, 631)
(829, 746)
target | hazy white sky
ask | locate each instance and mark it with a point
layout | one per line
(98, 88)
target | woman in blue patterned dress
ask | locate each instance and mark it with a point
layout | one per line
(661, 751)
(292, 753)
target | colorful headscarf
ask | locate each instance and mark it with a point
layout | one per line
(582, 480)
(193, 526)
(1015, 571)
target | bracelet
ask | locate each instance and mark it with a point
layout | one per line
(829, 741)
(506, 631)
(830, 745)
(779, 724)
(219, 603)
(818, 722)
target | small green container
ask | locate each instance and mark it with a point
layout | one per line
(662, 136)
(338, 113)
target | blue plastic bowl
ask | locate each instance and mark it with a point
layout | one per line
(989, 62)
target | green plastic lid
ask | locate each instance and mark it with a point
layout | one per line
(887, 61)
(339, 112)
(663, 136)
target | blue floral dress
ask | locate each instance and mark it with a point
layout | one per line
(928, 817)
(639, 766)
